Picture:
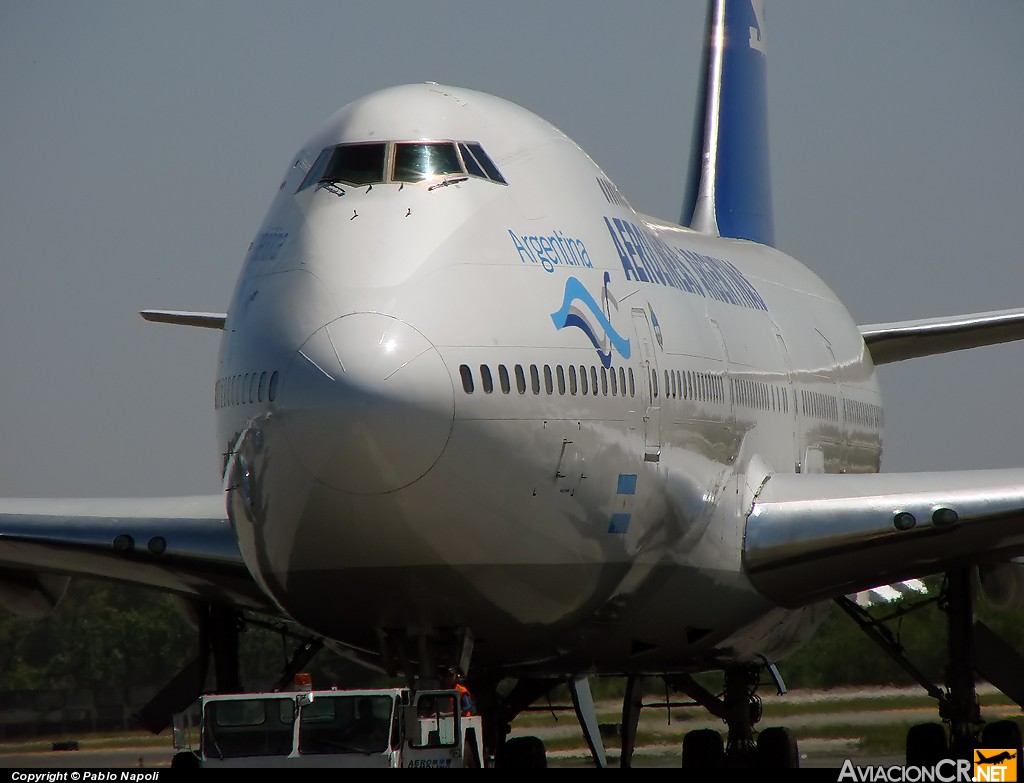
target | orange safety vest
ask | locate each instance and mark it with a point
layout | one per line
(465, 699)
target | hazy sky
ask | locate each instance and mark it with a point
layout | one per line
(142, 143)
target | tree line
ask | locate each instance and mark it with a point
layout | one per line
(105, 635)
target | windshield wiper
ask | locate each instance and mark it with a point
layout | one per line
(446, 182)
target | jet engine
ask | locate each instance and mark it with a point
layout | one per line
(30, 595)
(1002, 584)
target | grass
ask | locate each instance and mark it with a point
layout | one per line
(88, 742)
(832, 716)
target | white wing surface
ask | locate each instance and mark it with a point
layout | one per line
(894, 342)
(813, 537)
(185, 545)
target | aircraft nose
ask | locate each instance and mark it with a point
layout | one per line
(367, 404)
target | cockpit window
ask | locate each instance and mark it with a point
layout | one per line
(353, 164)
(367, 163)
(486, 163)
(471, 165)
(317, 169)
(356, 164)
(415, 162)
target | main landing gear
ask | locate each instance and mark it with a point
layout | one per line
(972, 648)
(740, 707)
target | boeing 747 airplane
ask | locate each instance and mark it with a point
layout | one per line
(479, 412)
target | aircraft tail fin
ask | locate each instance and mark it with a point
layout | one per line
(729, 181)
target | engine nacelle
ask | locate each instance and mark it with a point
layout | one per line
(1002, 584)
(29, 595)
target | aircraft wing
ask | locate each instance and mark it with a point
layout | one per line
(811, 537)
(901, 340)
(186, 318)
(184, 545)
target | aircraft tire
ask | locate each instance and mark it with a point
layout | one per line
(186, 759)
(1002, 734)
(777, 749)
(926, 745)
(522, 753)
(703, 749)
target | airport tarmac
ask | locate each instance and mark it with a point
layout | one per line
(660, 757)
(832, 726)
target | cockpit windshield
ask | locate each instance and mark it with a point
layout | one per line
(415, 162)
(368, 163)
(352, 164)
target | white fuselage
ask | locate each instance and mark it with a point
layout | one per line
(397, 459)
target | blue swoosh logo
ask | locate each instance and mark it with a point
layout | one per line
(568, 315)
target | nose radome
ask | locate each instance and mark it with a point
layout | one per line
(367, 403)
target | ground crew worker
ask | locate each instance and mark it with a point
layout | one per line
(453, 682)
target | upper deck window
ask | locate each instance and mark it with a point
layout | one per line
(416, 162)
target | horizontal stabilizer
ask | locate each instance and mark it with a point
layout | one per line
(185, 545)
(812, 537)
(186, 318)
(910, 339)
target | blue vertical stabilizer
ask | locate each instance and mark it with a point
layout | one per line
(729, 190)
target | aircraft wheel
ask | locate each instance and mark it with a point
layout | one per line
(1004, 734)
(522, 753)
(926, 745)
(777, 749)
(703, 749)
(186, 759)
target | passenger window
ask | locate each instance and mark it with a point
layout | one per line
(485, 378)
(622, 380)
(583, 380)
(263, 382)
(615, 388)
(467, 378)
(272, 393)
(561, 379)
(549, 385)
(572, 379)
(520, 379)
(654, 383)
(506, 387)
(604, 381)
(417, 162)
(593, 380)
(534, 379)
